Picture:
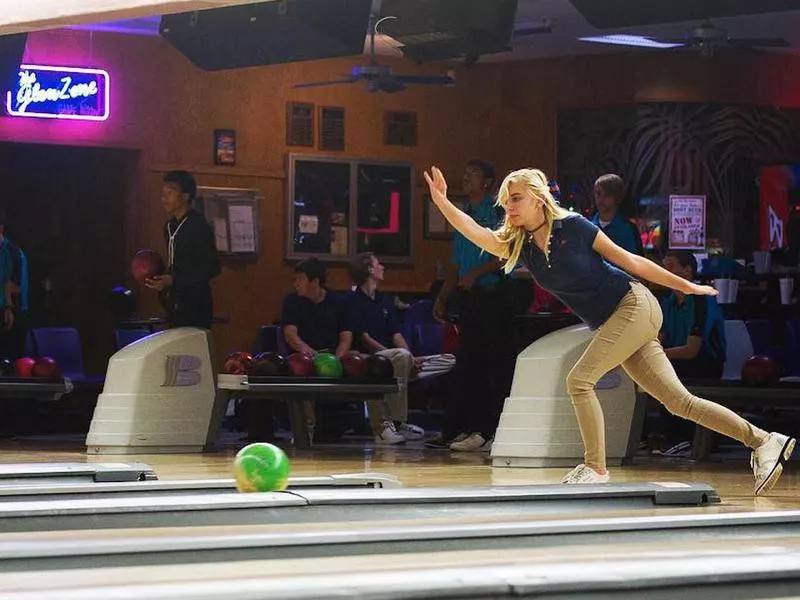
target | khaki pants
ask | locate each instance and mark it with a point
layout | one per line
(630, 338)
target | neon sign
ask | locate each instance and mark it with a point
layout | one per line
(60, 93)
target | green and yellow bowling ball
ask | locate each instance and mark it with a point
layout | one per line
(327, 365)
(261, 467)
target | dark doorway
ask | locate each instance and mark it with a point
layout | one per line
(66, 208)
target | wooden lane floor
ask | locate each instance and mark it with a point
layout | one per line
(417, 466)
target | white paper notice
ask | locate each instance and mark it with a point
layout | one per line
(309, 224)
(221, 235)
(243, 238)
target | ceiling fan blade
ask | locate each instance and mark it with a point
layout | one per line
(425, 79)
(760, 42)
(324, 83)
(663, 40)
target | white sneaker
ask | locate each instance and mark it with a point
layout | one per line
(584, 474)
(411, 433)
(768, 459)
(389, 436)
(472, 443)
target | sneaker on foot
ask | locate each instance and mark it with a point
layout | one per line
(472, 443)
(441, 442)
(388, 435)
(584, 474)
(768, 459)
(410, 432)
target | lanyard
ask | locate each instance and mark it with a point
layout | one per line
(172, 235)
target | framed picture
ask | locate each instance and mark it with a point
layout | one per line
(435, 226)
(225, 147)
(687, 222)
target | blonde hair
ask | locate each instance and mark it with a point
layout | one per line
(513, 237)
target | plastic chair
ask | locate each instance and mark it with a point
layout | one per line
(427, 339)
(64, 345)
(126, 337)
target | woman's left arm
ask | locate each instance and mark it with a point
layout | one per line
(640, 267)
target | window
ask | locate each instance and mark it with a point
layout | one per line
(338, 208)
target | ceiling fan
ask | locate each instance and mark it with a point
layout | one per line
(707, 39)
(380, 78)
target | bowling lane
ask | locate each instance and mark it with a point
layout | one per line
(704, 568)
(157, 546)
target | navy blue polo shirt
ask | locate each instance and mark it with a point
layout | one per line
(318, 323)
(576, 274)
(377, 317)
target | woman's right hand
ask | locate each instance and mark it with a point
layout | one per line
(437, 185)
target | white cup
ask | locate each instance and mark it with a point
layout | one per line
(762, 262)
(733, 291)
(722, 286)
(787, 287)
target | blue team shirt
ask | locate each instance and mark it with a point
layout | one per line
(622, 232)
(466, 255)
(576, 274)
(377, 317)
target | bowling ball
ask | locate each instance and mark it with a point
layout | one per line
(379, 367)
(46, 368)
(146, 264)
(237, 363)
(261, 467)
(300, 365)
(354, 365)
(23, 367)
(327, 365)
(270, 364)
(6, 367)
(761, 369)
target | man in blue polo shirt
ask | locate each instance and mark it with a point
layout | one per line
(486, 355)
(608, 193)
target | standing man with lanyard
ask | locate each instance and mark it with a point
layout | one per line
(485, 360)
(193, 260)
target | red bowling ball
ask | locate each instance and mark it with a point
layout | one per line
(354, 365)
(23, 367)
(238, 363)
(146, 264)
(761, 369)
(301, 365)
(46, 368)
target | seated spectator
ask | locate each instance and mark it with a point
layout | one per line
(377, 331)
(317, 320)
(693, 331)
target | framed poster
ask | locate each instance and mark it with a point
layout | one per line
(225, 147)
(435, 226)
(687, 222)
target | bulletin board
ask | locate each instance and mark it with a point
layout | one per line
(233, 214)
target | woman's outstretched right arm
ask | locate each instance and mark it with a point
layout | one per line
(480, 236)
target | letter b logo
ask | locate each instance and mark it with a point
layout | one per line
(182, 370)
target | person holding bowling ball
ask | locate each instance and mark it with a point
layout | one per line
(192, 256)
(601, 283)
